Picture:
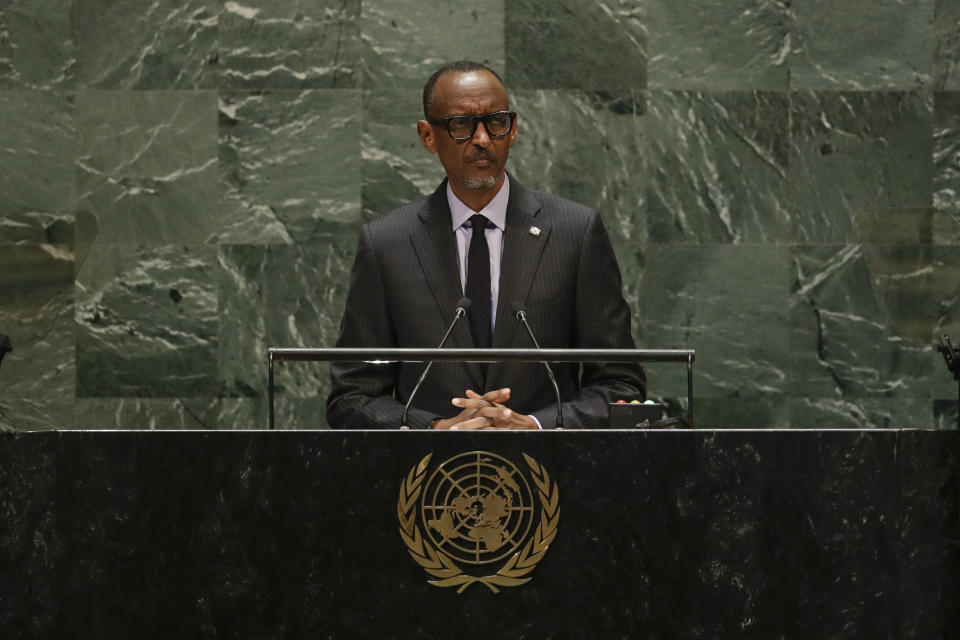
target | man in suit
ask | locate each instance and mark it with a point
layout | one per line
(550, 256)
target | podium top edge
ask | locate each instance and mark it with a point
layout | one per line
(281, 354)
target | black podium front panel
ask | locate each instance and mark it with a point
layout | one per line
(698, 534)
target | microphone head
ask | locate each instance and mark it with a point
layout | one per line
(517, 310)
(464, 303)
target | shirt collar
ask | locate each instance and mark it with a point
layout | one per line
(495, 211)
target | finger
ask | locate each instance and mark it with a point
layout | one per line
(497, 395)
(474, 424)
(469, 403)
(497, 413)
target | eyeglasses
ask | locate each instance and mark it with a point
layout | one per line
(460, 128)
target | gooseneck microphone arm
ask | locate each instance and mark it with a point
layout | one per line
(463, 304)
(521, 315)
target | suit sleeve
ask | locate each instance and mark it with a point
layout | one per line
(362, 394)
(601, 321)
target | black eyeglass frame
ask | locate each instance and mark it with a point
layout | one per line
(445, 123)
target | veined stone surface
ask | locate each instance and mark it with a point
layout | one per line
(37, 48)
(719, 166)
(946, 22)
(281, 296)
(779, 181)
(576, 44)
(719, 45)
(856, 151)
(705, 296)
(404, 41)
(146, 165)
(130, 44)
(37, 146)
(289, 164)
(147, 322)
(946, 154)
(289, 44)
(862, 45)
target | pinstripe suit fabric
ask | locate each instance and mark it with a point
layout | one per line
(404, 288)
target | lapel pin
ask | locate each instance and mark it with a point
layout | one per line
(535, 231)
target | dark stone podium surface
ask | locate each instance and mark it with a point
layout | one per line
(682, 534)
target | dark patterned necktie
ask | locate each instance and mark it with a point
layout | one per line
(478, 282)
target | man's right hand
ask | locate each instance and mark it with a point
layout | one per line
(478, 412)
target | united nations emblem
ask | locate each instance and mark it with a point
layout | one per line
(478, 509)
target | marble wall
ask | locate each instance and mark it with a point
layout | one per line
(182, 182)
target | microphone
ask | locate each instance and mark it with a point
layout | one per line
(463, 305)
(521, 315)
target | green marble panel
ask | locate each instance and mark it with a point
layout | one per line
(37, 268)
(754, 412)
(147, 165)
(876, 412)
(129, 44)
(281, 296)
(906, 227)
(147, 322)
(36, 47)
(856, 151)
(946, 22)
(946, 153)
(727, 302)
(290, 44)
(291, 413)
(913, 259)
(569, 44)
(718, 45)
(242, 413)
(146, 413)
(718, 167)
(289, 165)
(862, 44)
(404, 41)
(36, 311)
(844, 347)
(37, 227)
(36, 152)
(396, 167)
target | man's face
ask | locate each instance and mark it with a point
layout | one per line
(475, 164)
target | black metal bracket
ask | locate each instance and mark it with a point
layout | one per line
(952, 357)
(5, 346)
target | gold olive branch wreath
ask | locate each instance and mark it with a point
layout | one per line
(444, 569)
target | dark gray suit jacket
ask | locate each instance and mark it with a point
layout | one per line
(404, 288)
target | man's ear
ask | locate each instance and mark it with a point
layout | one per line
(427, 136)
(513, 134)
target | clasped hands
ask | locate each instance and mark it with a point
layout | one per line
(487, 411)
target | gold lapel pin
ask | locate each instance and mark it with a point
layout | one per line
(535, 231)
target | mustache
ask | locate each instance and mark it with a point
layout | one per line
(480, 154)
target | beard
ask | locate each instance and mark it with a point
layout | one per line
(479, 183)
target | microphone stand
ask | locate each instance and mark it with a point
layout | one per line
(522, 317)
(462, 305)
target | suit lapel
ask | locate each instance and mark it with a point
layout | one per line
(524, 240)
(436, 249)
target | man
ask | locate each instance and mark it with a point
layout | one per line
(550, 256)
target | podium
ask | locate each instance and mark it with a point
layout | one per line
(660, 534)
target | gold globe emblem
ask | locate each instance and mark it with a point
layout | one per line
(478, 508)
